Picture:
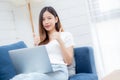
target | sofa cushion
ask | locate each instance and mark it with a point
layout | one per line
(84, 60)
(84, 76)
(7, 70)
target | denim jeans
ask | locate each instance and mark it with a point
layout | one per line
(60, 72)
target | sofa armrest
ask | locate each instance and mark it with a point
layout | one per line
(84, 59)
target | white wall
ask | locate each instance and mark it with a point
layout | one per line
(7, 25)
(23, 25)
(14, 24)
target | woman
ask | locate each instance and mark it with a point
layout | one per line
(59, 45)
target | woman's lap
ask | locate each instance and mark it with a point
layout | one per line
(31, 76)
(60, 73)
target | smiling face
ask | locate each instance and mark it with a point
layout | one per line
(49, 21)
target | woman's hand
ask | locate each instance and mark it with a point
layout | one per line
(36, 39)
(56, 36)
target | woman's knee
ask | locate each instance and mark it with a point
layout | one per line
(31, 76)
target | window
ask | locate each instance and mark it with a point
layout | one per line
(104, 9)
(106, 17)
(109, 5)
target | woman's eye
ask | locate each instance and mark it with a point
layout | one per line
(49, 18)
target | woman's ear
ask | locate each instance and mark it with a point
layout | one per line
(56, 19)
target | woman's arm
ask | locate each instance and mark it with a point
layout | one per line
(67, 53)
(36, 39)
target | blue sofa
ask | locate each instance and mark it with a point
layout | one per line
(85, 67)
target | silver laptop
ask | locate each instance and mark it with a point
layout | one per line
(29, 60)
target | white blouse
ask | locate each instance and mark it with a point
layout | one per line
(54, 50)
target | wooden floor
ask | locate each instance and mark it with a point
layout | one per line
(115, 75)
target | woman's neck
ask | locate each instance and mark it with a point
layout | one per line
(51, 32)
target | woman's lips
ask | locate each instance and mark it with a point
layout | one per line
(47, 26)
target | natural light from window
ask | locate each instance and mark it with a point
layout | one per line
(107, 5)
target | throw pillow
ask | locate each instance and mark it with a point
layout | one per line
(7, 70)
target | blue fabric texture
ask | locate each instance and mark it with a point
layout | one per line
(84, 60)
(85, 65)
(7, 70)
(84, 76)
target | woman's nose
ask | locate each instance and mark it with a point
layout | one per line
(46, 21)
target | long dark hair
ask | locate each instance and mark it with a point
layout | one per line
(44, 38)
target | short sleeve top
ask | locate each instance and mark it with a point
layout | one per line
(54, 50)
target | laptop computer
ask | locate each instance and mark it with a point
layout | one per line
(29, 60)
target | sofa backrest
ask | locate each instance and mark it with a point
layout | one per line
(7, 69)
(84, 60)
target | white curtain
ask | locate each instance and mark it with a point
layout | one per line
(105, 15)
(104, 9)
